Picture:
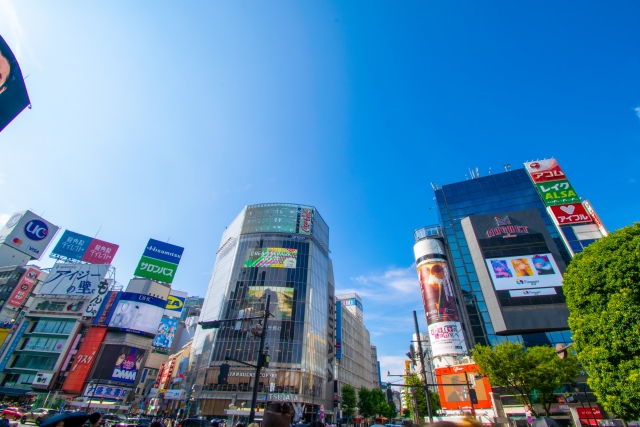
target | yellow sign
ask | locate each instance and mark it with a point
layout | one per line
(174, 303)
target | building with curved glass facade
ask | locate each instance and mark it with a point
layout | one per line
(281, 250)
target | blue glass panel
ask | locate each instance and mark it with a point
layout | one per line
(569, 233)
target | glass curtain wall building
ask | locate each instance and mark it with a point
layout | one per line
(281, 251)
(507, 191)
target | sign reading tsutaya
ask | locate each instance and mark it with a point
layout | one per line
(74, 279)
(159, 261)
(557, 192)
(545, 170)
(28, 233)
(84, 248)
(573, 213)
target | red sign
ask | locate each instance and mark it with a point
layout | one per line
(595, 217)
(545, 170)
(23, 289)
(593, 413)
(100, 252)
(84, 360)
(572, 213)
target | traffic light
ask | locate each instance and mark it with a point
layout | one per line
(473, 396)
(224, 374)
(210, 324)
(389, 395)
(263, 360)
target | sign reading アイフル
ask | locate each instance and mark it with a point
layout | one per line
(28, 233)
(572, 213)
(159, 261)
(74, 279)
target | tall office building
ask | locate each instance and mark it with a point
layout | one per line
(508, 238)
(282, 251)
(375, 366)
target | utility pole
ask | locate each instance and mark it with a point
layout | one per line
(422, 367)
(261, 357)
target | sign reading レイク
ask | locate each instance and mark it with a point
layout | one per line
(573, 213)
(557, 192)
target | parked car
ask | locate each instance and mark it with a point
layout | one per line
(38, 415)
(12, 413)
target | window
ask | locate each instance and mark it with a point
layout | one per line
(28, 361)
(50, 326)
(44, 344)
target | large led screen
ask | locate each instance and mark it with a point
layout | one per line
(524, 272)
(281, 297)
(272, 258)
(119, 363)
(137, 313)
(13, 92)
(166, 333)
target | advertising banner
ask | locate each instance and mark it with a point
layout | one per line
(272, 258)
(573, 213)
(93, 305)
(84, 248)
(57, 306)
(174, 394)
(155, 269)
(524, 272)
(454, 383)
(24, 287)
(306, 220)
(28, 233)
(13, 92)
(437, 293)
(446, 338)
(166, 333)
(105, 391)
(163, 251)
(352, 302)
(18, 335)
(175, 303)
(42, 379)
(596, 219)
(338, 330)
(84, 360)
(74, 279)
(102, 315)
(545, 170)
(137, 313)
(119, 363)
(557, 192)
(532, 292)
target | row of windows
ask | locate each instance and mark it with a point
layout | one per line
(28, 361)
(51, 326)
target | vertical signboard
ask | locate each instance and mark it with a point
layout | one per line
(592, 212)
(28, 233)
(159, 261)
(338, 330)
(24, 287)
(13, 92)
(84, 360)
(443, 320)
(14, 344)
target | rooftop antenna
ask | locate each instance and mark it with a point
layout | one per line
(489, 170)
(434, 186)
(97, 232)
(507, 167)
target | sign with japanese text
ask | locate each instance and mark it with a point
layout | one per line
(545, 170)
(557, 192)
(28, 233)
(102, 316)
(74, 279)
(177, 394)
(84, 360)
(573, 213)
(84, 248)
(592, 212)
(105, 391)
(42, 379)
(14, 344)
(155, 269)
(57, 306)
(24, 287)
(95, 303)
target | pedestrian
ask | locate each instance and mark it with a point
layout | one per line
(155, 423)
(94, 419)
(278, 415)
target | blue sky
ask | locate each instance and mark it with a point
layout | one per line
(163, 119)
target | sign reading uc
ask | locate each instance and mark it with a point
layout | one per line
(163, 251)
(36, 230)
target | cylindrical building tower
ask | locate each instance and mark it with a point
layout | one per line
(279, 250)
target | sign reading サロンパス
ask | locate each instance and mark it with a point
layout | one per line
(573, 213)
(159, 261)
(545, 170)
(556, 192)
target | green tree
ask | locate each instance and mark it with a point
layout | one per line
(531, 375)
(365, 402)
(379, 401)
(349, 401)
(406, 413)
(416, 392)
(602, 289)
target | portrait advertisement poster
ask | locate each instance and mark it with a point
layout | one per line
(437, 292)
(166, 333)
(13, 92)
(119, 363)
(137, 313)
(272, 258)
(524, 272)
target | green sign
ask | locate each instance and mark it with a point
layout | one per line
(155, 269)
(557, 192)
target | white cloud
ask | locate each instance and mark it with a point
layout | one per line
(403, 280)
(3, 219)
(11, 22)
(637, 110)
(393, 365)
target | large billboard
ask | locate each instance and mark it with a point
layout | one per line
(84, 248)
(120, 363)
(137, 313)
(272, 258)
(74, 279)
(28, 233)
(84, 360)
(454, 384)
(572, 213)
(556, 192)
(545, 170)
(166, 333)
(13, 92)
(524, 272)
(159, 261)
(279, 218)
(24, 287)
(438, 299)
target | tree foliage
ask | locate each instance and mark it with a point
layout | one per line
(365, 402)
(406, 413)
(349, 401)
(417, 393)
(602, 288)
(531, 374)
(373, 403)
